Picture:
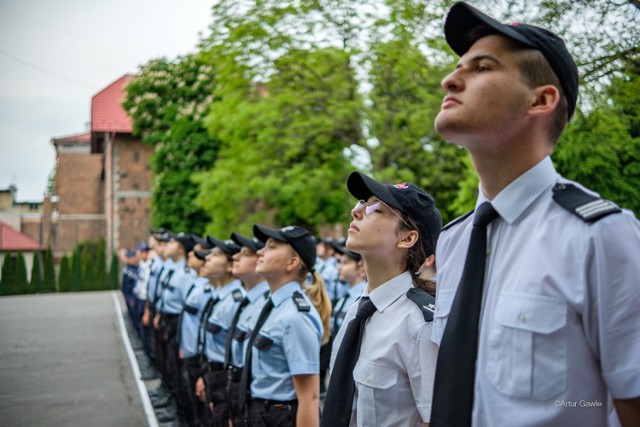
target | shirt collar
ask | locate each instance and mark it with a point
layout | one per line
(257, 291)
(356, 290)
(384, 295)
(284, 292)
(515, 198)
(228, 288)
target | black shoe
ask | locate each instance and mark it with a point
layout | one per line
(160, 401)
(164, 416)
(148, 374)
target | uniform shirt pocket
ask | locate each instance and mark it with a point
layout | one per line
(443, 308)
(527, 346)
(376, 397)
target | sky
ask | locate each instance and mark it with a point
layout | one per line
(56, 54)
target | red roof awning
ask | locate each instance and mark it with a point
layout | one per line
(13, 240)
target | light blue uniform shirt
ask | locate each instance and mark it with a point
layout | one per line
(190, 324)
(167, 270)
(178, 285)
(152, 288)
(343, 305)
(246, 321)
(289, 344)
(218, 323)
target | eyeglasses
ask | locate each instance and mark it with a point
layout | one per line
(370, 208)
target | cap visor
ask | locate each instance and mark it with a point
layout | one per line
(463, 17)
(362, 187)
(263, 233)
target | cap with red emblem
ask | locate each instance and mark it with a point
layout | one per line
(407, 198)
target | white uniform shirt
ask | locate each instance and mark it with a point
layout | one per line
(559, 325)
(394, 373)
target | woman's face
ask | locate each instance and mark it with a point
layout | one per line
(274, 258)
(374, 228)
(244, 262)
(217, 264)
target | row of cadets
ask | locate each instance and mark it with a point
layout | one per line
(197, 305)
(230, 293)
(175, 286)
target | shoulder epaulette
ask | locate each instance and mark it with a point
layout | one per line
(585, 206)
(300, 301)
(237, 295)
(425, 302)
(457, 220)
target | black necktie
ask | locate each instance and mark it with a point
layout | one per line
(339, 400)
(456, 367)
(245, 379)
(232, 329)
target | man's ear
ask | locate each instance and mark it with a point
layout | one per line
(545, 101)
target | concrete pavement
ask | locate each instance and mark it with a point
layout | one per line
(63, 362)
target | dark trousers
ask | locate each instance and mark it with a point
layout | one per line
(215, 382)
(267, 413)
(198, 413)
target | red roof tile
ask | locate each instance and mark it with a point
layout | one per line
(13, 240)
(107, 114)
(81, 137)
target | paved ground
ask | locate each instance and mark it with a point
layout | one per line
(62, 362)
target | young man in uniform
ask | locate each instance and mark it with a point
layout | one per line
(541, 319)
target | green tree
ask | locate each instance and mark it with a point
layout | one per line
(65, 280)
(167, 102)
(286, 164)
(49, 277)
(8, 274)
(114, 272)
(601, 148)
(21, 275)
(102, 276)
(76, 270)
(35, 286)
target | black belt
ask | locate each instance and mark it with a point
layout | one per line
(269, 402)
(234, 373)
(215, 366)
(193, 361)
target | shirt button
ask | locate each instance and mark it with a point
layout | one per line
(369, 378)
(522, 318)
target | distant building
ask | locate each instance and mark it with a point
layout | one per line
(12, 240)
(102, 184)
(103, 179)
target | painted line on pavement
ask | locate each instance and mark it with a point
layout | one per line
(142, 388)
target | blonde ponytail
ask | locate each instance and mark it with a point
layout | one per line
(317, 293)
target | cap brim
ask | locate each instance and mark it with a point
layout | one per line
(463, 17)
(201, 255)
(241, 240)
(362, 187)
(202, 242)
(218, 243)
(263, 233)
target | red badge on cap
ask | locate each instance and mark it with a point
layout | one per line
(402, 186)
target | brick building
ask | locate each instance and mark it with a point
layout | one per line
(103, 179)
